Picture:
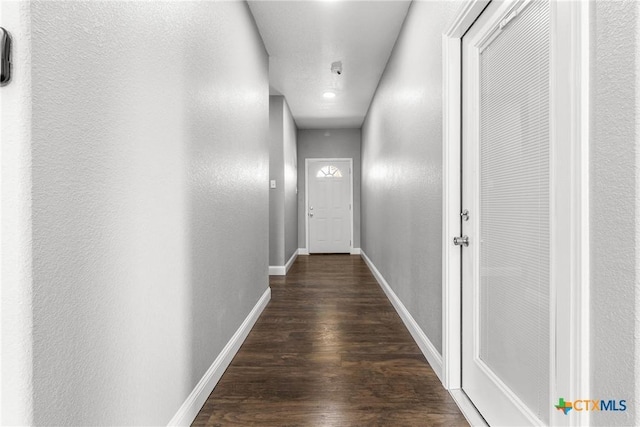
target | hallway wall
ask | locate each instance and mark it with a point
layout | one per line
(615, 198)
(290, 134)
(15, 223)
(339, 143)
(402, 168)
(283, 160)
(150, 200)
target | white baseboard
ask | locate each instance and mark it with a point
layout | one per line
(289, 263)
(277, 270)
(282, 270)
(190, 408)
(305, 251)
(428, 349)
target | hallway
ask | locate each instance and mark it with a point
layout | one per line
(166, 169)
(329, 350)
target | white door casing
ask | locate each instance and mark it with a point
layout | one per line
(329, 206)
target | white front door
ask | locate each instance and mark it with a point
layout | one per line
(329, 205)
(505, 186)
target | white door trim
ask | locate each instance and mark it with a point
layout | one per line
(570, 193)
(306, 196)
(452, 140)
(570, 266)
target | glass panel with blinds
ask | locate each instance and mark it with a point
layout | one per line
(514, 205)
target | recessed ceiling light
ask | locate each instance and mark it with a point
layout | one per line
(329, 95)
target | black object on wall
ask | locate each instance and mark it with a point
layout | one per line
(5, 59)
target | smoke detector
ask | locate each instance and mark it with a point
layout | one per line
(336, 67)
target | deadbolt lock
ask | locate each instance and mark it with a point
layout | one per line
(461, 241)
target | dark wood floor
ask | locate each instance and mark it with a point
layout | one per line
(329, 350)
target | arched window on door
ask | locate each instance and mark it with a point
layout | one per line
(329, 172)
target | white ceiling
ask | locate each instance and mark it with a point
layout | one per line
(304, 37)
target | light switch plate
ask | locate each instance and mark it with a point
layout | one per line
(272, 184)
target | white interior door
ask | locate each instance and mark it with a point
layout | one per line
(329, 205)
(505, 186)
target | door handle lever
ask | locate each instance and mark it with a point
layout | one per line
(461, 241)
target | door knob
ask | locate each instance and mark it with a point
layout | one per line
(311, 214)
(461, 241)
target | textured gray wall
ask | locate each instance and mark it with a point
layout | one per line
(615, 180)
(283, 159)
(340, 143)
(402, 168)
(150, 228)
(290, 149)
(276, 172)
(16, 282)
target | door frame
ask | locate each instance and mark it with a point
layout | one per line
(569, 175)
(306, 197)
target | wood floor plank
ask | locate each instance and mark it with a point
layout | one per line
(329, 350)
